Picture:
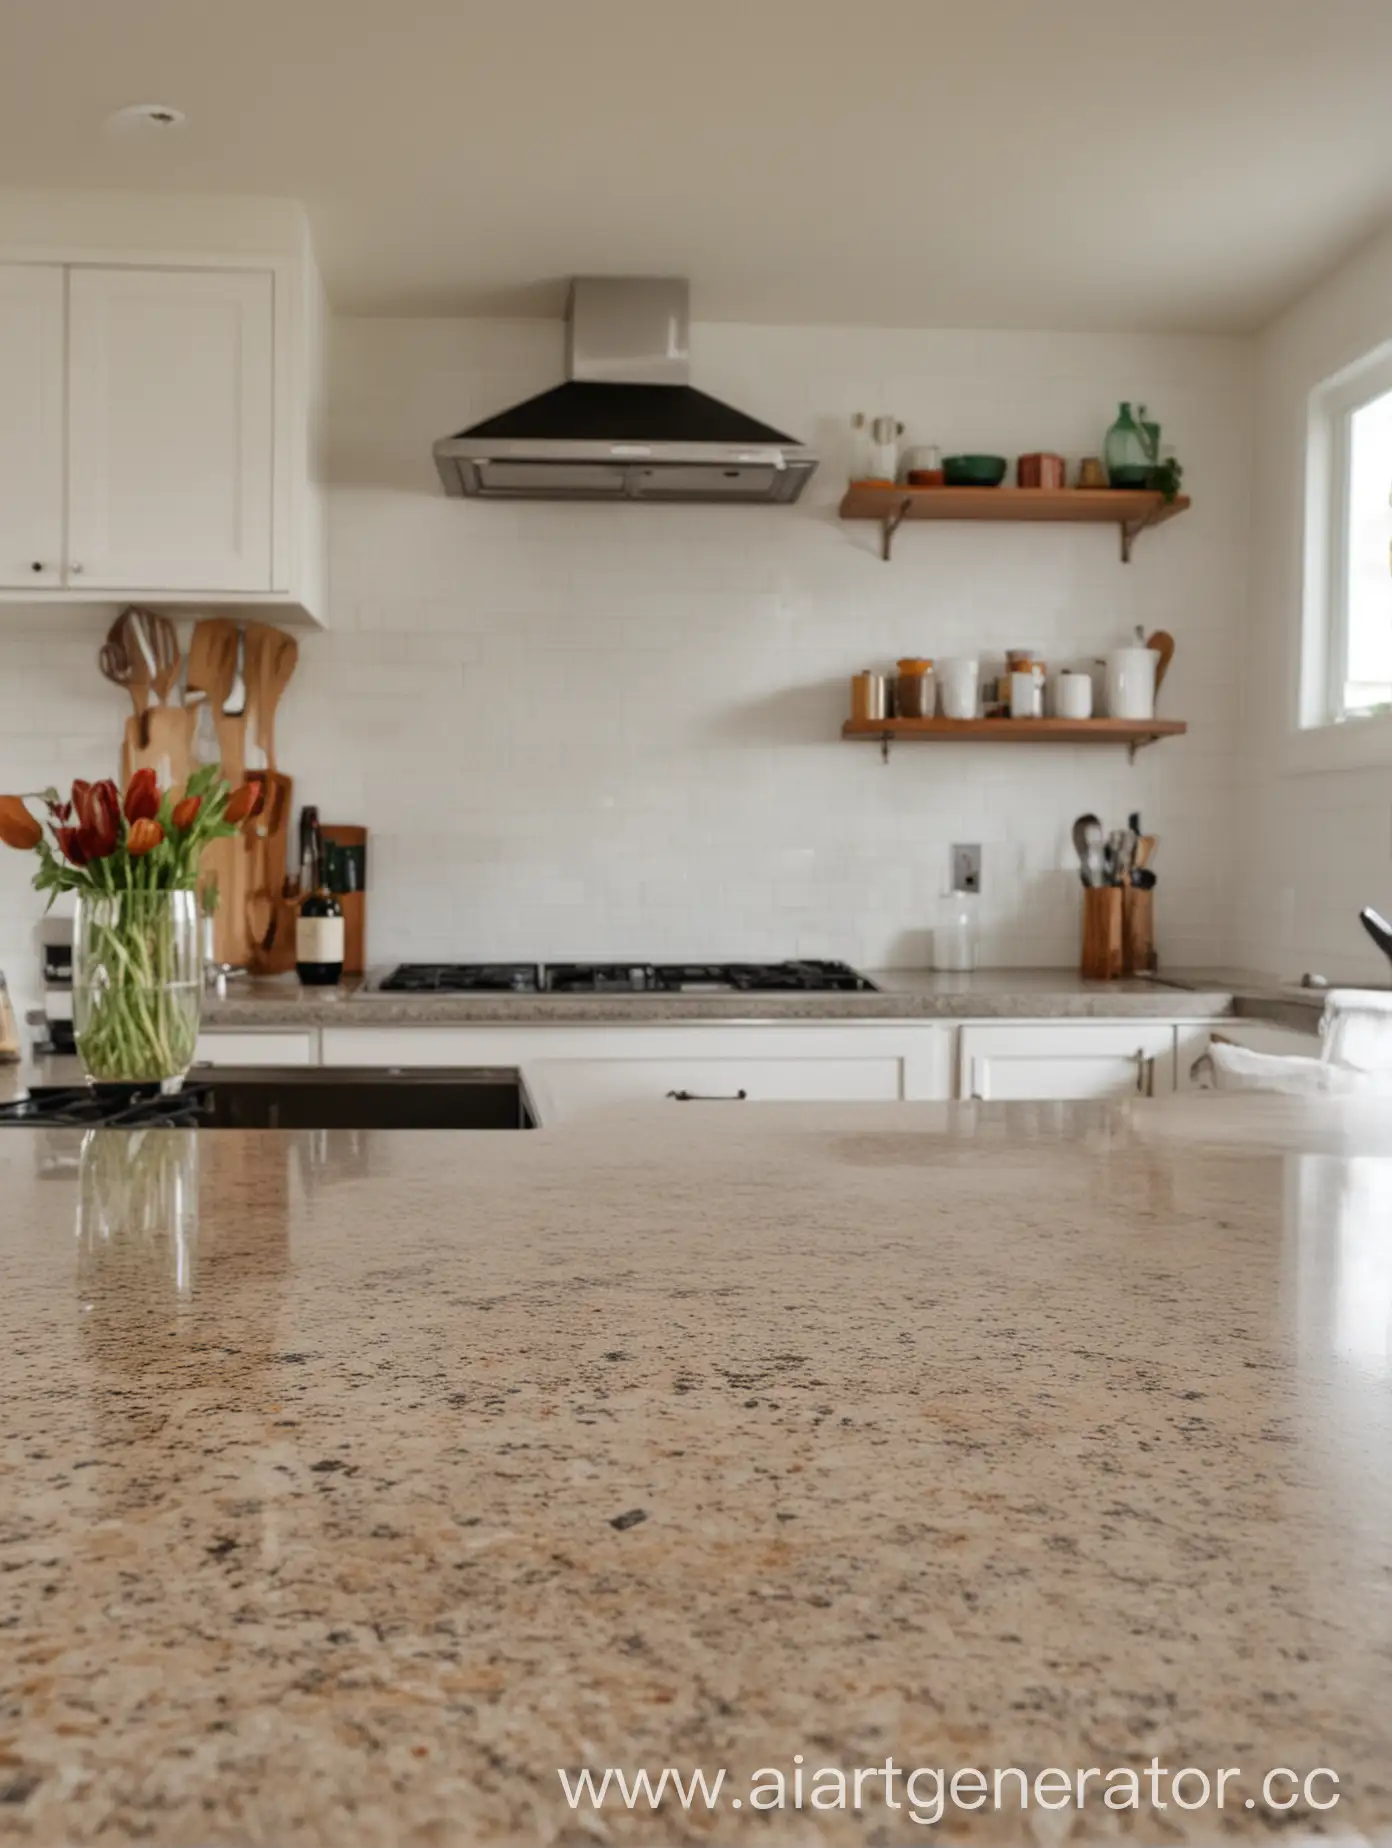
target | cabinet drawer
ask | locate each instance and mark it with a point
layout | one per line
(567, 1088)
(217, 1048)
(1072, 1059)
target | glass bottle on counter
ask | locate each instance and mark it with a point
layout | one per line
(319, 926)
(955, 933)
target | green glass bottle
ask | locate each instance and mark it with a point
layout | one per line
(1127, 452)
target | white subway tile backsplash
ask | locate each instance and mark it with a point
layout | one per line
(613, 731)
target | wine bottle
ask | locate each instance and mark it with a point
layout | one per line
(319, 926)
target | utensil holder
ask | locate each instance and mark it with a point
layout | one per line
(1137, 931)
(1102, 934)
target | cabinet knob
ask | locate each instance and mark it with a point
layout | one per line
(37, 565)
(74, 570)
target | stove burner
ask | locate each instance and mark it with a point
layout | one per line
(626, 978)
(464, 978)
(107, 1106)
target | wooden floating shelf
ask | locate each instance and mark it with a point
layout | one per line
(1131, 510)
(1131, 732)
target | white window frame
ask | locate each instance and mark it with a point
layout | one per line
(1325, 738)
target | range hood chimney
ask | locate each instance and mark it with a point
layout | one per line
(627, 425)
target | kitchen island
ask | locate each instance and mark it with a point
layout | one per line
(356, 1484)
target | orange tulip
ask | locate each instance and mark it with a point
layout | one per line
(142, 796)
(144, 836)
(242, 802)
(17, 826)
(185, 813)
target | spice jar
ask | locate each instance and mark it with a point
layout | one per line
(884, 449)
(869, 696)
(915, 689)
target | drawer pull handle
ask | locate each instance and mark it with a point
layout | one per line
(706, 1097)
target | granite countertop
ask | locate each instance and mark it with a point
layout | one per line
(355, 1483)
(906, 994)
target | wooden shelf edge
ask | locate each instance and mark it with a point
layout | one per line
(872, 500)
(1016, 731)
(1133, 510)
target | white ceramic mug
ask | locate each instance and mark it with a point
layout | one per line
(1131, 683)
(1073, 696)
(959, 686)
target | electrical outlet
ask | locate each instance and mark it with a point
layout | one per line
(966, 867)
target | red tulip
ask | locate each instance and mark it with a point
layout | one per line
(185, 813)
(242, 802)
(98, 810)
(144, 836)
(70, 840)
(17, 826)
(142, 796)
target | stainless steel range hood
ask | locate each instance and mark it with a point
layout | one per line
(626, 425)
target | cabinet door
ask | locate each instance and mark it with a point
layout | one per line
(270, 1048)
(169, 429)
(1069, 1060)
(31, 426)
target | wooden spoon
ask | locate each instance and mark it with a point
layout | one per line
(1164, 645)
(279, 655)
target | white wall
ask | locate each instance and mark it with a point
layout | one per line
(1314, 846)
(596, 731)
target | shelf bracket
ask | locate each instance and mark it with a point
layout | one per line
(884, 746)
(1131, 531)
(890, 527)
(1138, 744)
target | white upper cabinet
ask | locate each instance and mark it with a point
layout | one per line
(161, 404)
(31, 426)
(170, 429)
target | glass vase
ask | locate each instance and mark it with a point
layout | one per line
(137, 986)
(1129, 460)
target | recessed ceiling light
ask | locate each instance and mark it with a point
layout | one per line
(146, 116)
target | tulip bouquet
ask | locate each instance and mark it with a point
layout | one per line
(132, 862)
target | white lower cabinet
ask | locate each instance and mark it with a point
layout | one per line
(1068, 1059)
(578, 1069)
(233, 1048)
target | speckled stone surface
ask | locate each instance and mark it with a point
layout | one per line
(976, 1435)
(905, 994)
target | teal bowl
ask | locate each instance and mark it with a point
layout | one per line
(974, 471)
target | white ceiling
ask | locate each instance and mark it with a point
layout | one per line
(1045, 163)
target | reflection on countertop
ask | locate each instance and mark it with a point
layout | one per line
(354, 1495)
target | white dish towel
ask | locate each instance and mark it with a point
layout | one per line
(1355, 1054)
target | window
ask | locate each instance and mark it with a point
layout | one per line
(1348, 655)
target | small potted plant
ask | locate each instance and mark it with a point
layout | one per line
(132, 862)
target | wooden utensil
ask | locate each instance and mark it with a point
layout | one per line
(125, 635)
(115, 665)
(163, 643)
(271, 659)
(1164, 645)
(212, 660)
(269, 919)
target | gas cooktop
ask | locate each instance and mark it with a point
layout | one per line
(107, 1106)
(625, 978)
